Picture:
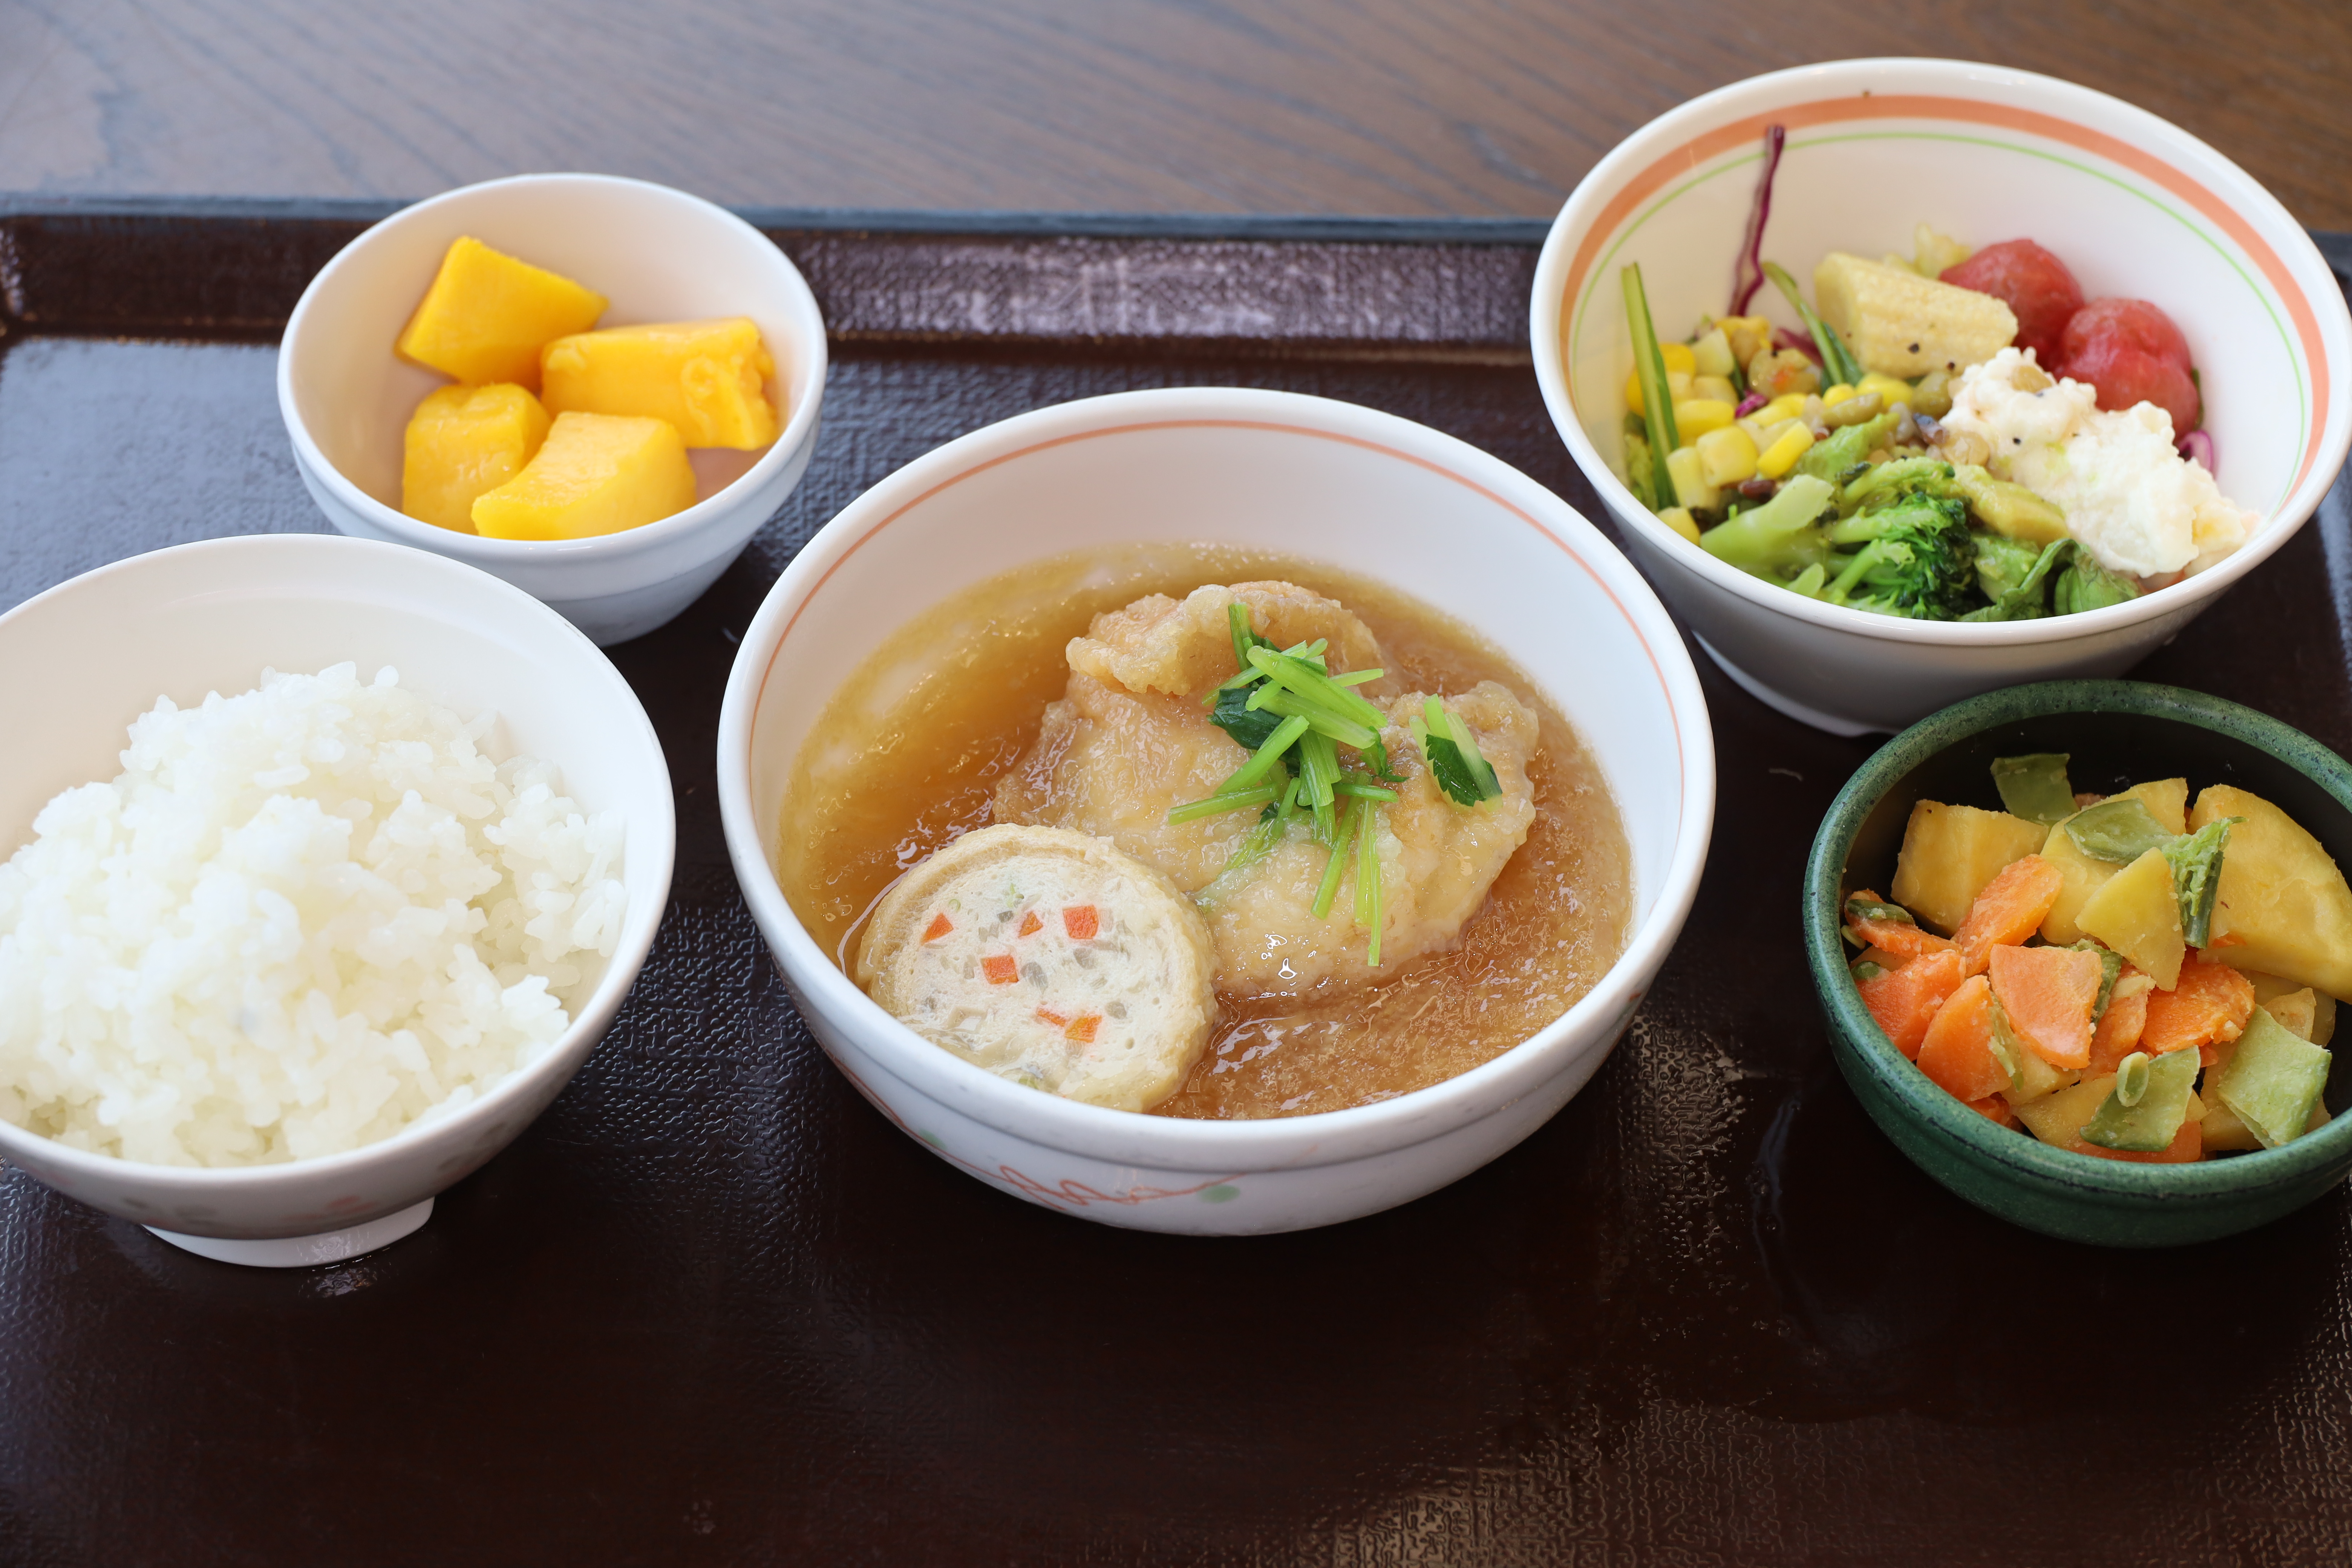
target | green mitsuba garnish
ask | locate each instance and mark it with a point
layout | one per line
(2034, 787)
(2118, 831)
(1454, 760)
(1247, 725)
(2196, 862)
(2151, 1117)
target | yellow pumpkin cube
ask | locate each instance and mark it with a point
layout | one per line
(462, 441)
(486, 316)
(595, 473)
(704, 377)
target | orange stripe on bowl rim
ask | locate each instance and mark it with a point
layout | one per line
(1709, 144)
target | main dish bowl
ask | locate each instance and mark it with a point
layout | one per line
(89, 656)
(658, 255)
(1321, 482)
(2133, 205)
(2115, 729)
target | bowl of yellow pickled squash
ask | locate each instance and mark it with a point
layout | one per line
(594, 389)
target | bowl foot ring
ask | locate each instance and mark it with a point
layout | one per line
(1788, 705)
(304, 1251)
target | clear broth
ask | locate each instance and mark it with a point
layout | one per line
(907, 754)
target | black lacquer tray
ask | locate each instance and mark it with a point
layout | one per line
(711, 1307)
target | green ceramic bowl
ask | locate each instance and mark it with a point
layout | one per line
(2117, 731)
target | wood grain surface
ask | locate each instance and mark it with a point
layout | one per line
(1467, 108)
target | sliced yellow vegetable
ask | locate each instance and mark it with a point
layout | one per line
(707, 378)
(486, 316)
(1679, 519)
(461, 442)
(1695, 417)
(1726, 456)
(595, 473)
(1781, 455)
(1691, 488)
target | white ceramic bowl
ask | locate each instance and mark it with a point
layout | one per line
(1308, 478)
(87, 657)
(658, 255)
(2134, 207)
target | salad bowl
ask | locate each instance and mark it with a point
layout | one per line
(2134, 205)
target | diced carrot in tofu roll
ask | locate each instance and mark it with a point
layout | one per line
(1114, 1017)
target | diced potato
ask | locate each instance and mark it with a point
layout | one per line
(2166, 800)
(1726, 456)
(2036, 1077)
(706, 378)
(1695, 417)
(1714, 388)
(1775, 461)
(2282, 908)
(596, 473)
(1890, 389)
(2225, 1133)
(2058, 1118)
(1711, 354)
(1900, 323)
(2296, 1012)
(1691, 488)
(463, 441)
(1950, 852)
(486, 316)
(1679, 519)
(2137, 914)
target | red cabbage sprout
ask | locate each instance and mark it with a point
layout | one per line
(1748, 275)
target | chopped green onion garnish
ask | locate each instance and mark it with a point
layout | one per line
(1657, 403)
(1363, 790)
(1314, 687)
(1217, 805)
(1357, 677)
(1368, 878)
(1281, 700)
(1330, 889)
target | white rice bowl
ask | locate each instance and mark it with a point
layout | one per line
(301, 920)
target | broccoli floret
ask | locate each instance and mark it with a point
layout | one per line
(1780, 539)
(1918, 559)
(1834, 458)
(1905, 476)
(2088, 585)
(2025, 599)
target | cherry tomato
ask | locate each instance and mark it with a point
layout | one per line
(2132, 353)
(2036, 286)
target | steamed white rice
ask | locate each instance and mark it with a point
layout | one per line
(301, 920)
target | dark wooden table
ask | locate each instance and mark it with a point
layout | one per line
(1421, 107)
(711, 1307)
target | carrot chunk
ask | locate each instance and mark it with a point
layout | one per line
(1081, 1031)
(1957, 1050)
(1030, 924)
(1993, 1107)
(2012, 908)
(1001, 968)
(2048, 994)
(1905, 1000)
(1892, 936)
(941, 925)
(2207, 1007)
(2118, 1034)
(1081, 921)
(1050, 1017)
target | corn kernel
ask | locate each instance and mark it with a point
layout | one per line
(1695, 417)
(1691, 488)
(1711, 354)
(1678, 384)
(1834, 396)
(1890, 389)
(1725, 457)
(1786, 406)
(1679, 519)
(1718, 387)
(1782, 454)
(1679, 357)
(1750, 335)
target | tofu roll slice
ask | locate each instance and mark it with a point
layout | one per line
(1051, 958)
